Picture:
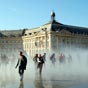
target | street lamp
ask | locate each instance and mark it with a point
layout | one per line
(45, 30)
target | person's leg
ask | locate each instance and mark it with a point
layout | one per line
(22, 74)
(40, 71)
(22, 71)
(19, 71)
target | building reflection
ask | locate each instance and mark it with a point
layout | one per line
(40, 83)
(3, 84)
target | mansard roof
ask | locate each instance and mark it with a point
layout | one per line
(56, 26)
(75, 29)
(11, 33)
(53, 25)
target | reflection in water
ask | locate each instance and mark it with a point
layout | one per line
(3, 84)
(53, 77)
(21, 84)
(51, 83)
(38, 82)
(56, 84)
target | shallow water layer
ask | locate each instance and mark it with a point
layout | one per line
(73, 74)
(52, 77)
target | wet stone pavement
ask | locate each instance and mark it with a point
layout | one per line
(58, 76)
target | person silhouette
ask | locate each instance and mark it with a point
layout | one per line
(40, 63)
(22, 63)
(44, 57)
(35, 61)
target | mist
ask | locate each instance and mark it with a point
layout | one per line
(71, 69)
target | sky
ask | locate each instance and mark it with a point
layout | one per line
(20, 14)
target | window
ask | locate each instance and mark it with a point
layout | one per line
(25, 34)
(6, 41)
(34, 32)
(30, 33)
(2, 41)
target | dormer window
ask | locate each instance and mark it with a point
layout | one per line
(30, 33)
(44, 29)
(25, 34)
(34, 32)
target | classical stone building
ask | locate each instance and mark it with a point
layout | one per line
(11, 42)
(52, 36)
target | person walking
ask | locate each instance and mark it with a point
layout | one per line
(22, 63)
(35, 61)
(40, 63)
(44, 57)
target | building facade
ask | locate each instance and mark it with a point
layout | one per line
(52, 36)
(11, 42)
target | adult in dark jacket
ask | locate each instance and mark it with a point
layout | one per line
(22, 62)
